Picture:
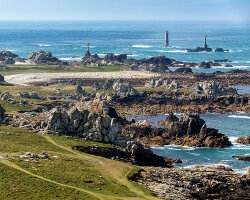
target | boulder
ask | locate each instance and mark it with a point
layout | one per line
(123, 89)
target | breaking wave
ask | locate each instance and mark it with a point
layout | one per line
(239, 116)
(141, 46)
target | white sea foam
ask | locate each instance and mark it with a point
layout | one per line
(176, 51)
(239, 116)
(233, 139)
(195, 154)
(141, 46)
(241, 171)
(234, 67)
(133, 55)
(71, 59)
(44, 45)
(89, 46)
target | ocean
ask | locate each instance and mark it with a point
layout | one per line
(140, 39)
(233, 125)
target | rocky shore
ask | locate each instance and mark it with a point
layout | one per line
(195, 183)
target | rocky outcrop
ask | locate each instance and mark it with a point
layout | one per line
(195, 183)
(243, 140)
(200, 49)
(44, 57)
(212, 90)
(144, 133)
(220, 50)
(101, 106)
(118, 88)
(8, 57)
(134, 153)
(85, 124)
(191, 130)
(30, 95)
(97, 125)
(110, 57)
(123, 89)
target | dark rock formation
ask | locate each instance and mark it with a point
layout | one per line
(184, 70)
(2, 114)
(242, 158)
(139, 155)
(220, 50)
(45, 57)
(1, 78)
(115, 58)
(191, 130)
(8, 57)
(200, 49)
(79, 90)
(243, 140)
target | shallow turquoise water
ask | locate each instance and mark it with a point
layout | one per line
(232, 125)
(139, 39)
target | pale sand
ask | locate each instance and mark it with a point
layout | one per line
(26, 79)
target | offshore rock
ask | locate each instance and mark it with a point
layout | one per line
(243, 140)
(191, 130)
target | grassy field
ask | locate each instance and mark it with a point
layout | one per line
(68, 174)
(21, 69)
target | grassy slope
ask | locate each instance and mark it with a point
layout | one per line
(20, 69)
(68, 175)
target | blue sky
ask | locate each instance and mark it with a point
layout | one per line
(200, 10)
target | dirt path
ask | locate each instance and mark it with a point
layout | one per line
(26, 79)
(10, 164)
(107, 168)
(113, 170)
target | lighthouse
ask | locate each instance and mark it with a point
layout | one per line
(205, 42)
(166, 39)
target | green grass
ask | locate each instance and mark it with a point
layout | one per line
(20, 69)
(68, 174)
(15, 108)
(16, 140)
(18, 185)
(149, 89)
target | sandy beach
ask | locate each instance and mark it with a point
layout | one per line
(26, 79)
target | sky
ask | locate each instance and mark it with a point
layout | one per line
(189, 10)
